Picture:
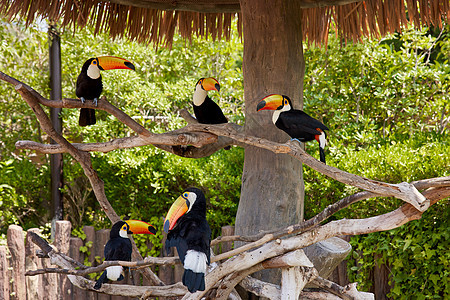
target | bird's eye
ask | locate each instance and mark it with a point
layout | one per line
(124, 227)
(285, 102)
(185, 195)
(94, 62)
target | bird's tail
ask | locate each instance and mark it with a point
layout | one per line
(322, 155)
(87, 117)
(194, 271)
(103, 279)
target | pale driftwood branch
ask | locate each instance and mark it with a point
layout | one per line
(434, 194)
(403, 191)
(291, 259)
(294, 279)
(261, 288)
(349, 292)
(148, 261)
(112, 289)
(196, 139)
(327, 212)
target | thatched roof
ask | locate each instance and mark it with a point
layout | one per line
(157, 20)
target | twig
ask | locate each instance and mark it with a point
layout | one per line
(148, 261)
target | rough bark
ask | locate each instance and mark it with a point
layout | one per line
(273, 64)
(16, 247)
(4, 278)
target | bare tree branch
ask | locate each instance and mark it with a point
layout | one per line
(328, 212)
(403, 191)
(84, 159)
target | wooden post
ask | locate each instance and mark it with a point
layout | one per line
(381, 279)
(4, 278)
(62, 243)
(227, 231)
(49, 281)
(101, 237)
(74, 252)
(16, 246)
(35, 284)
(89, 231)
(165, 272)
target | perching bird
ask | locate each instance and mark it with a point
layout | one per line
(296, 123)
(89, 82)
(119, 247)
(189, 232)
(207, 111)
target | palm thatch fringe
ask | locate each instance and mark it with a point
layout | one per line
(351, 21)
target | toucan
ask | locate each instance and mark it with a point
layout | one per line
(205, 110)
(189, 232)
(296, 123)
(89, 82)
(119, 247)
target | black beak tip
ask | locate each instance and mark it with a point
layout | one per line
(217, 86)
(130, 65)
(152, 229)
(260, 105)
(166, 226)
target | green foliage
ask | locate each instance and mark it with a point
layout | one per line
(386, 104)
(416, 253)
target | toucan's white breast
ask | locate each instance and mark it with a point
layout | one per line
(199, 95)
(276, 115)
(93, 72)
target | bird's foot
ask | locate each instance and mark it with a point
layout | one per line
(96, 101)
(82, 99)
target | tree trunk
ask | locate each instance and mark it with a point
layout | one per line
(272, 185)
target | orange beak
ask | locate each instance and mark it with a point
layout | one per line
(140, 227)
(178, 208)
(112, 62)
(271, 102)
(210, 84)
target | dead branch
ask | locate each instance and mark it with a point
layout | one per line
(148, 261)
(84, 159)
(403, 191)
(328, 212)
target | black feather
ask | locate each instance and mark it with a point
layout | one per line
(192, 232)
(89, 89)
(117, 248)
(209, 112)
